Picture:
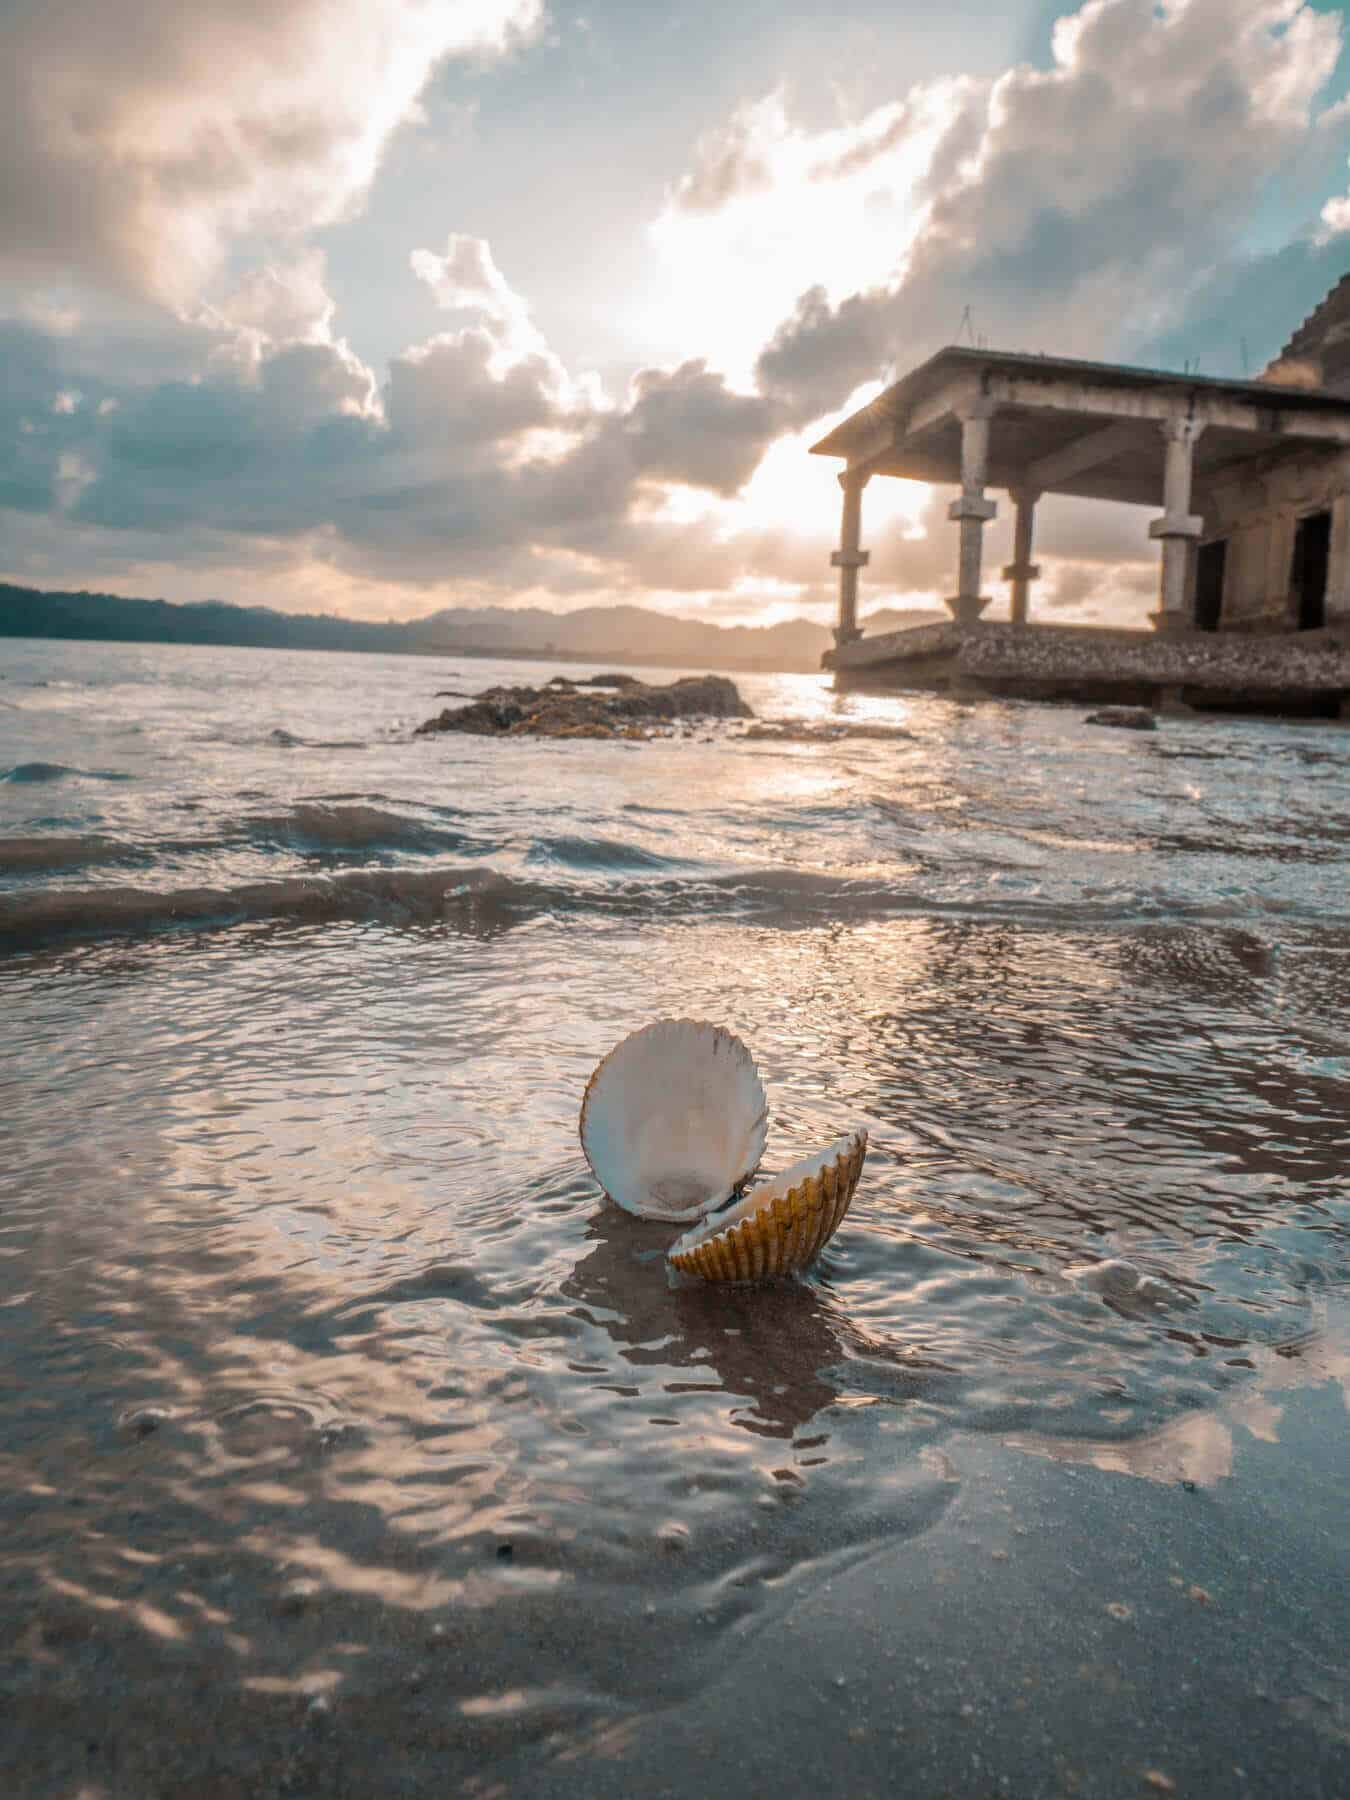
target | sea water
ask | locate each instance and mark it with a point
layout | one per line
(334, 1394)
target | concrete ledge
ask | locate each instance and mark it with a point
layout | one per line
(1081, 662)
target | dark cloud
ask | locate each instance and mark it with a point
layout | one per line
(439, 476)
(687, 426)
(822, 352)
(444, 394)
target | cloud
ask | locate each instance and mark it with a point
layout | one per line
(478, 460)
(769, 208)
(730, 162)
(446, 394)
(687, 426)
(1091, 206)
(465, 279)
(1075, 208)
(1335, 218)
(139, 142)
(284, 302)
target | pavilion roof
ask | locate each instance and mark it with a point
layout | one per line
(1063, 425)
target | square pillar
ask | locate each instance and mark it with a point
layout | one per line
(848, 558)
(1178, 528)
(1021, 571)
(972, 512)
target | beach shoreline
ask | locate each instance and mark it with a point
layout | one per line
(1032, 1627)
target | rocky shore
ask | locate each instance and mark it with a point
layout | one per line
(608, 706)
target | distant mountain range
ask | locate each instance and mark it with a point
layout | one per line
(594, 633)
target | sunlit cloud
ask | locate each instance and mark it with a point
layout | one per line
(769, 209)
(138, 146)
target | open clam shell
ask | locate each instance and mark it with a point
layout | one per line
(674, 1120)
(782, 1224)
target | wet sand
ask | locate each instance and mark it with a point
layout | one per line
(1036, 1626)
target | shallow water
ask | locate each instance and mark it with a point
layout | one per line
(331, 1374)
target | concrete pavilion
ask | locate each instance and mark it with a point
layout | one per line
(1251, 479)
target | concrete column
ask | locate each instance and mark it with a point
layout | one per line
(972, 512)
(848, 558)
(1021, 571)
(1178, 528)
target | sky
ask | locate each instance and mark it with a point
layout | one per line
(380, 306)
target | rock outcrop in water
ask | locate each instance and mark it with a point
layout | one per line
(562, 710)
(1124, 718)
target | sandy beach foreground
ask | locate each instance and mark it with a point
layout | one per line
(1051, 1628)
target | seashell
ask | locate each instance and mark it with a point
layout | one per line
(674, 1120)
(782, 1224)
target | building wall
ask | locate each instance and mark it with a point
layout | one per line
(1258, 513)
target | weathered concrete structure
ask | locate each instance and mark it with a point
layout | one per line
(1252, 479)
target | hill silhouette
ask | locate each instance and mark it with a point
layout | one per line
(614, 633)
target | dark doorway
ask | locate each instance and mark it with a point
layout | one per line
(1209, 568)
(1308, 576)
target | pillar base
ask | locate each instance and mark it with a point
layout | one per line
(1169, 624)
(844, 636)
(966, 608)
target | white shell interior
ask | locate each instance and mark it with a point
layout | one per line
(767, 1191)
(675, 1119)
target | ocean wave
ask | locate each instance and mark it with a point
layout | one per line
(347, 829)
(46, 771)
(311, 829)
(599, 853)
(287, 740)
(485, 902)
(389, 896)
(28, 855)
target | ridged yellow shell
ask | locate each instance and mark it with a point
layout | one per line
(782, 1225)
